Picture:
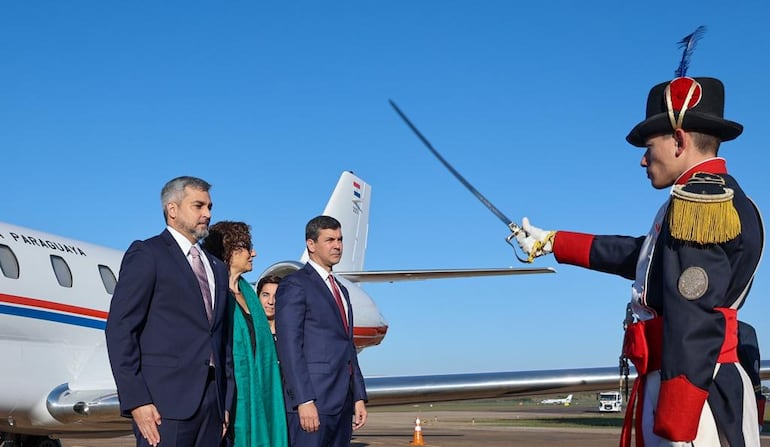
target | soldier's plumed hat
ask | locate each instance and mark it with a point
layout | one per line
(693, 104)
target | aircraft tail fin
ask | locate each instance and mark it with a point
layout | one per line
(349, 203)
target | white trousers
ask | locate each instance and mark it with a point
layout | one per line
(708, 433)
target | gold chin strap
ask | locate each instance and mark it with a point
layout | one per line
(676, 122)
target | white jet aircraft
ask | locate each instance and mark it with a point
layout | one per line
(566, 401)
(54, 297)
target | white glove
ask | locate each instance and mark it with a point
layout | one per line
(534, 241)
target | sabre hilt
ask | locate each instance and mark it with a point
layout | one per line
(515, 230)
(623, 364)
(624, 371)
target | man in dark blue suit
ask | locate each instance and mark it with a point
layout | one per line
(323, 386)
(167, 330)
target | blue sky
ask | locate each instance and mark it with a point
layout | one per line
(103, 102)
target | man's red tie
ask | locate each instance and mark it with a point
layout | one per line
(338, 299)
(203, 282)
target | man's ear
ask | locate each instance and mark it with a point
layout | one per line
(171, 209)
(679, 141)
(310, 244)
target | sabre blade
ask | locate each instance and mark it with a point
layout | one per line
(508, 222)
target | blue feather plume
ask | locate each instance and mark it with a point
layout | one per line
(688, 44)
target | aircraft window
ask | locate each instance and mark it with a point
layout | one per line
(108, 278)
(8, 262)
(62, 271)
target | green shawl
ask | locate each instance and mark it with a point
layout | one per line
(260, 415)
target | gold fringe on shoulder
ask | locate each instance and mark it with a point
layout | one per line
(703, 218)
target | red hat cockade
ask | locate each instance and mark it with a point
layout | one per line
(681, 94)
(692, 104)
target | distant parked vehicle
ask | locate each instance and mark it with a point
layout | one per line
(610, 401)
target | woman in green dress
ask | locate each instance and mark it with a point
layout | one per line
(259, 416)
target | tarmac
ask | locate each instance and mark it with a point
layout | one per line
(468, 428)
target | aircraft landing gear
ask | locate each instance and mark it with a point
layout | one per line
(11, 440)
(41, 441)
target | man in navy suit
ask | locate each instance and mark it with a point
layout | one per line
(323, 386)
(167, 330)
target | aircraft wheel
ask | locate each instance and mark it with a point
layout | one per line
(42, 441)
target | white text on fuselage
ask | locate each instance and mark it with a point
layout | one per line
(30, 240)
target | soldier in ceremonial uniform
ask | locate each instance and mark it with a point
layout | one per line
(691, 273)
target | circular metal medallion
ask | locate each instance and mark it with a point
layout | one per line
(693, 283)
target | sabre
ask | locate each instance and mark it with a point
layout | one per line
(515, 229)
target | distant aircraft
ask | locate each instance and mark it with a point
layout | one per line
(566, 401)
(54, 297)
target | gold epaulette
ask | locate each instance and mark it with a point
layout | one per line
(702, 211)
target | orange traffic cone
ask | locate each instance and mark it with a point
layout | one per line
(417, 438)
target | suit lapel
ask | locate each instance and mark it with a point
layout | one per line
(188, 276)
(323, 289)
(220, 300)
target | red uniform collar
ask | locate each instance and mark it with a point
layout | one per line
(712, 166)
